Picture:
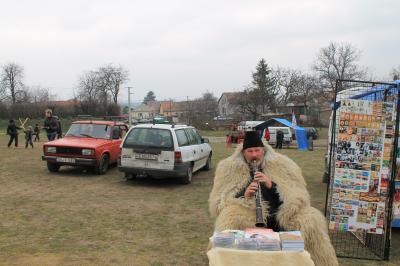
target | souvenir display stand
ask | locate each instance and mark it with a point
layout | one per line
(361, 191)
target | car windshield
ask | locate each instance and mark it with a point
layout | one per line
(90, 131)
(149, 137)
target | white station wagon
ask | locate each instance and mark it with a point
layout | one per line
(164, 150)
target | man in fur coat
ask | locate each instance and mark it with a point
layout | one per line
(286, 204)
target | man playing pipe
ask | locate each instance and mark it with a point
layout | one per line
(286, 202)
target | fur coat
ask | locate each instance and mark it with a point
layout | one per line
(295, 213)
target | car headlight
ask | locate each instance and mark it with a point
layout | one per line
(87, 152)
(51, 149)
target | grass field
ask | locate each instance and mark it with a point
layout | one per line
(78, 218)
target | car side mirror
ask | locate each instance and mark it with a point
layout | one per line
(205, 140)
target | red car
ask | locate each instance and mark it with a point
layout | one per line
(94, 144)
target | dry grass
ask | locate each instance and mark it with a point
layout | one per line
(74, 217)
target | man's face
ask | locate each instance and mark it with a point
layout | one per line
(254, 153)
(48, 113)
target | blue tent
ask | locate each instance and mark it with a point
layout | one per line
(301, 134)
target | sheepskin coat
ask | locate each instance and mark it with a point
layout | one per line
(295, 213)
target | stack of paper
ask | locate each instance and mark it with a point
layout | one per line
(247, 244)
(292, 241)
(223, 239)
(266, 239)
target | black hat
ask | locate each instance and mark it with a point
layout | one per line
(251, 140)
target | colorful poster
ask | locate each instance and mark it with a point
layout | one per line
(364, 137)
(396, 201)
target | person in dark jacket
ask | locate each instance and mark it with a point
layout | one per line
(36, 132)
(59, 129)
(50, 125)
(279, 139)
(28, 137)
(12, 131)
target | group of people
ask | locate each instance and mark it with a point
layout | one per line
(52, 126)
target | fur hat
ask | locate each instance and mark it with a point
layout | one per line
(252, 140)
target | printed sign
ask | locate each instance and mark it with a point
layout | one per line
(364, 137)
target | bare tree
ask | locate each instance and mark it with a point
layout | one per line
(338, 61)
(250, 102)
(119, 77)
(12, 81)
(395, 73)
(3, 93)
(40, 94)
(87, 92)
(307, 88)
(98, 90)
(288, 82)
(209, 105)
(110, 80)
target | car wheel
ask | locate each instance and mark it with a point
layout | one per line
(129, 176)
(102, 167)
(208, 164)
(187, 179)
(52, 167)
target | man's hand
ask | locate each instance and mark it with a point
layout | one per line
(263, 179)
(250, 190)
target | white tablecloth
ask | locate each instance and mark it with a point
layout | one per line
(232, 257)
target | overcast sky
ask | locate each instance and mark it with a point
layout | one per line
(182, 49)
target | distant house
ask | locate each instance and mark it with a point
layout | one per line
(228, 104)
(146, 111)
(306, 111)
(174, 111)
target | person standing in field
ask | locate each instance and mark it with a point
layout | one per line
(50, 125)
(12, 131)
(59, 129)
(267, 135)
(36, 132)
(279, 139)
(28, 137)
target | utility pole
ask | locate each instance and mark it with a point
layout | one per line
(170, 108)
(187, 111)
(129, 104)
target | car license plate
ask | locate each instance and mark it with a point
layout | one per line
(65, 160)
(145, 156)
